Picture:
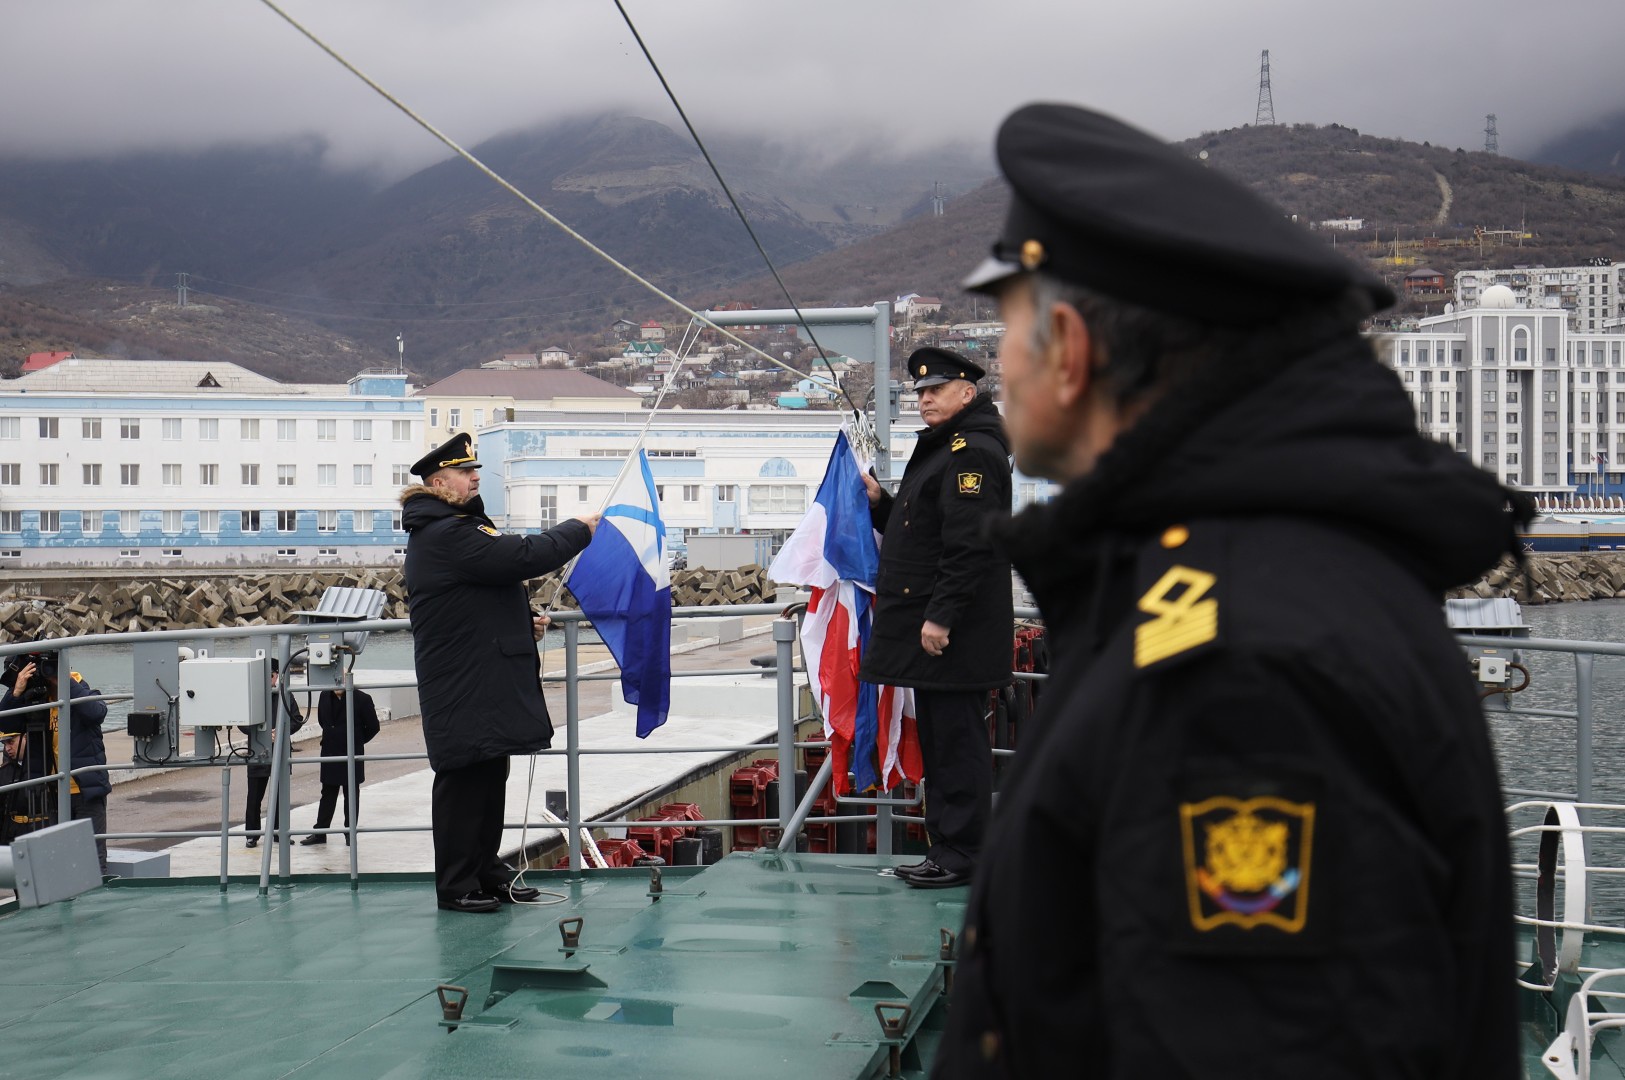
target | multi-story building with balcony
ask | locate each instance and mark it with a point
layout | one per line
(1593, 296)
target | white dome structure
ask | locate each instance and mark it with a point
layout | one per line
(1497, 296)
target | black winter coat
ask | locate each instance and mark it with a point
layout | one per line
(938, 564)
(479, 674)
(85, 739)
(1255, 828)
(330, 714)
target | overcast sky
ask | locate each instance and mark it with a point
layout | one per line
(90, 77)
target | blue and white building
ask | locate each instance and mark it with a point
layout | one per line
(177, 463)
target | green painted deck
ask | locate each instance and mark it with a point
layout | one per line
(763, 964)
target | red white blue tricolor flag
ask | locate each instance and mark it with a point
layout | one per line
(835, 553)
(623, 584)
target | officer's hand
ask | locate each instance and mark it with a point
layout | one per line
(933, 638)
(872, 487)
(22, 678)
(539, 625)
(591, 522)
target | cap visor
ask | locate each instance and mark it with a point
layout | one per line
(989, 273)
(930, 380)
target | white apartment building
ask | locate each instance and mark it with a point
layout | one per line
(1519, 392)
(178, 463)
(1592, 295)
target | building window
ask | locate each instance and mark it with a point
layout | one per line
(327, 475)
(327, 430)
(248, 429)
(691, 493)
(285, 475)
(92, 475)
(1489, 397)
(248, 521)
(11, 427)
(287, 431)
(581, 493)
(208, 475)
(400, 475)
(287, 520)
(454, 418)
(327, 521)
(50, 521)
(129, 522)
(89, 428)
(171, 475)
(208, 430)
(1512, 459)
(208, 521)
(129, 427)
(1512, 438)
(361, 476)
(1512, 418)
(287, 553)
(434, 418)
(479, 419)
(172, 521)
(47, 427)
(129, 553)
(11, 474)
(48, 475)
(361, 430)
(361, 521)
(11, 553)
(326, 551)
(1489, 354)
(90, 522)
(549, 506)
(171, 429)
(778, 498)
(129, 475)
(170, 553)
(251, 476)
(395, 525)
(11, 521)
(400, 430)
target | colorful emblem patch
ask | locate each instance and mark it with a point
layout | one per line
(487, 530)
(1247, 862)
(970, 483)
(1185, 615)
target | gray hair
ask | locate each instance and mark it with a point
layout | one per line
(1144, 349)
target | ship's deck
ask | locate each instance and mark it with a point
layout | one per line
(763, 964)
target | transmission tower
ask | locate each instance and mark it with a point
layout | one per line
(1492, 144)
(183, 282)
(1266, 100)
(939, 198)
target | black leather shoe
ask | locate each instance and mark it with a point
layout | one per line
(932, 876)
(515, 894)
(474, 902)
(253, 841)
(313, 838)
(908, 871)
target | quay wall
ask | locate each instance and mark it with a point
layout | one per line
(1547, 578)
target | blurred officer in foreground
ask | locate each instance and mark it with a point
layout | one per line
(31, 679)
(1255, 827)
(479, 675)
(943, 610)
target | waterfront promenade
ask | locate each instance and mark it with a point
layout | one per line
(710, 710)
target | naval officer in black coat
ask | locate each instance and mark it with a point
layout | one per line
(479, 675)
(943, 609)
(1255, 827)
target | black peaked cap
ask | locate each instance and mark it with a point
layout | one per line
(456, 452)
(1107, 206)
(931, 366)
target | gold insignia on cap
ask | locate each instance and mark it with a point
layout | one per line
(1247, 862)
(1032, 254)
(1182, 621)
(922, 369)
(1175, 536)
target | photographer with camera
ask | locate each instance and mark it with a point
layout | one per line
(31, 679)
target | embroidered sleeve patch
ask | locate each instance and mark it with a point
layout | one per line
(970, 483)
(1183, 618)
(1247, 862)
(487, 530)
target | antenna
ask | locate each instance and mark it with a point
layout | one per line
(400, 348)
(939, 198)
(1492, 143)
(1266, 100)
(182, 283)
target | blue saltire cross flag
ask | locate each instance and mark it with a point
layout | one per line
(623, 584)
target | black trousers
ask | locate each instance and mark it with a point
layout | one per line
(95, 810)
(330, 798)
(958, 761)
(257, 786)
(467, 811)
